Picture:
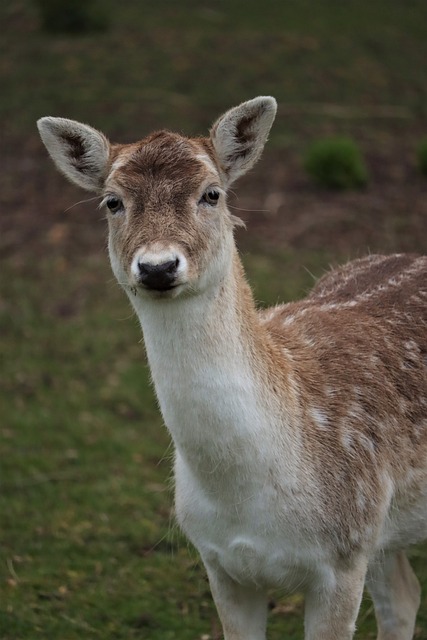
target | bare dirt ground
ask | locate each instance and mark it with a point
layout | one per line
(389, 215)
(280, 205)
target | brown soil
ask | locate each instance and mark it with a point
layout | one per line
(281, 207)
(389, 215)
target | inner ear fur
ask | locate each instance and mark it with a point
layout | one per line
(80, 152)
(239, 136)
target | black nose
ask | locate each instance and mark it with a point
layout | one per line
(158, 276)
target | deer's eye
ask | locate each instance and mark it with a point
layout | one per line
(210, 197)
(114, 204)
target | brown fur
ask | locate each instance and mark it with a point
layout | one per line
(158, 181)
(335, 385)
(365, 369)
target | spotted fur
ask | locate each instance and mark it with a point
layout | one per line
(300, 431)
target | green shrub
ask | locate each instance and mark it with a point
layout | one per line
(422, 157)
(73, 16)
(336, 163)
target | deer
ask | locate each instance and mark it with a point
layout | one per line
(299, 431)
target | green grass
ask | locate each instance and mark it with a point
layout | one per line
(88, 543)
(74, 17)
(89, 546)
(181, 64)
(336, 163)
(88, 540)
(422, 157)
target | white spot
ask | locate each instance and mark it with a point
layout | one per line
(366, 443)
(207, 161)
(347, 441)
(288, 320)
(360, 498)
(120, 162)
(320, 418)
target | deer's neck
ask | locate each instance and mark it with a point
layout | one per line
(211, 364)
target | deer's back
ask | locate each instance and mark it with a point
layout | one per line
(387, 292)
(376, 282)
(377, 297)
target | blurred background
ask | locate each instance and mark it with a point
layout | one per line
(88, 542)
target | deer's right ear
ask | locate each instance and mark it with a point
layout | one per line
(79, 151)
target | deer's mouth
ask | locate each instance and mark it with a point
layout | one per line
(158, 292)
(159, 288)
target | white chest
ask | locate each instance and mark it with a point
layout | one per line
(236, 471)
(249, 531)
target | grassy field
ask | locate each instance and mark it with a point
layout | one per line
(89, 547)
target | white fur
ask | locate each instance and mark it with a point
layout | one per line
(213, 409)
(261, 112)
(88, 174)
(247, 488)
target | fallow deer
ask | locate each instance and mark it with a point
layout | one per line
(300, 432)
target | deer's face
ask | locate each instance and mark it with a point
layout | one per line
(170, 229)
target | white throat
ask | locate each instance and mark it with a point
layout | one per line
(201, 367)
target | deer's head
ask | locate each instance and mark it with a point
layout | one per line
(170, 230)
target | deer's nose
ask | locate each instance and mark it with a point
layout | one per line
(158, 276)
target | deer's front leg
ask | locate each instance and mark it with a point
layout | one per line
(242, 610)
(332, 603)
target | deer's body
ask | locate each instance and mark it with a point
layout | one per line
(300, 432)
(279, 481)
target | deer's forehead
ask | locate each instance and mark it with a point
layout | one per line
(163, 162)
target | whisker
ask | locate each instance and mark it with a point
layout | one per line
(230, 206)
(82, 202)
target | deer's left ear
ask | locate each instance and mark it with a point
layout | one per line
(239, 136)
(79, 151)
